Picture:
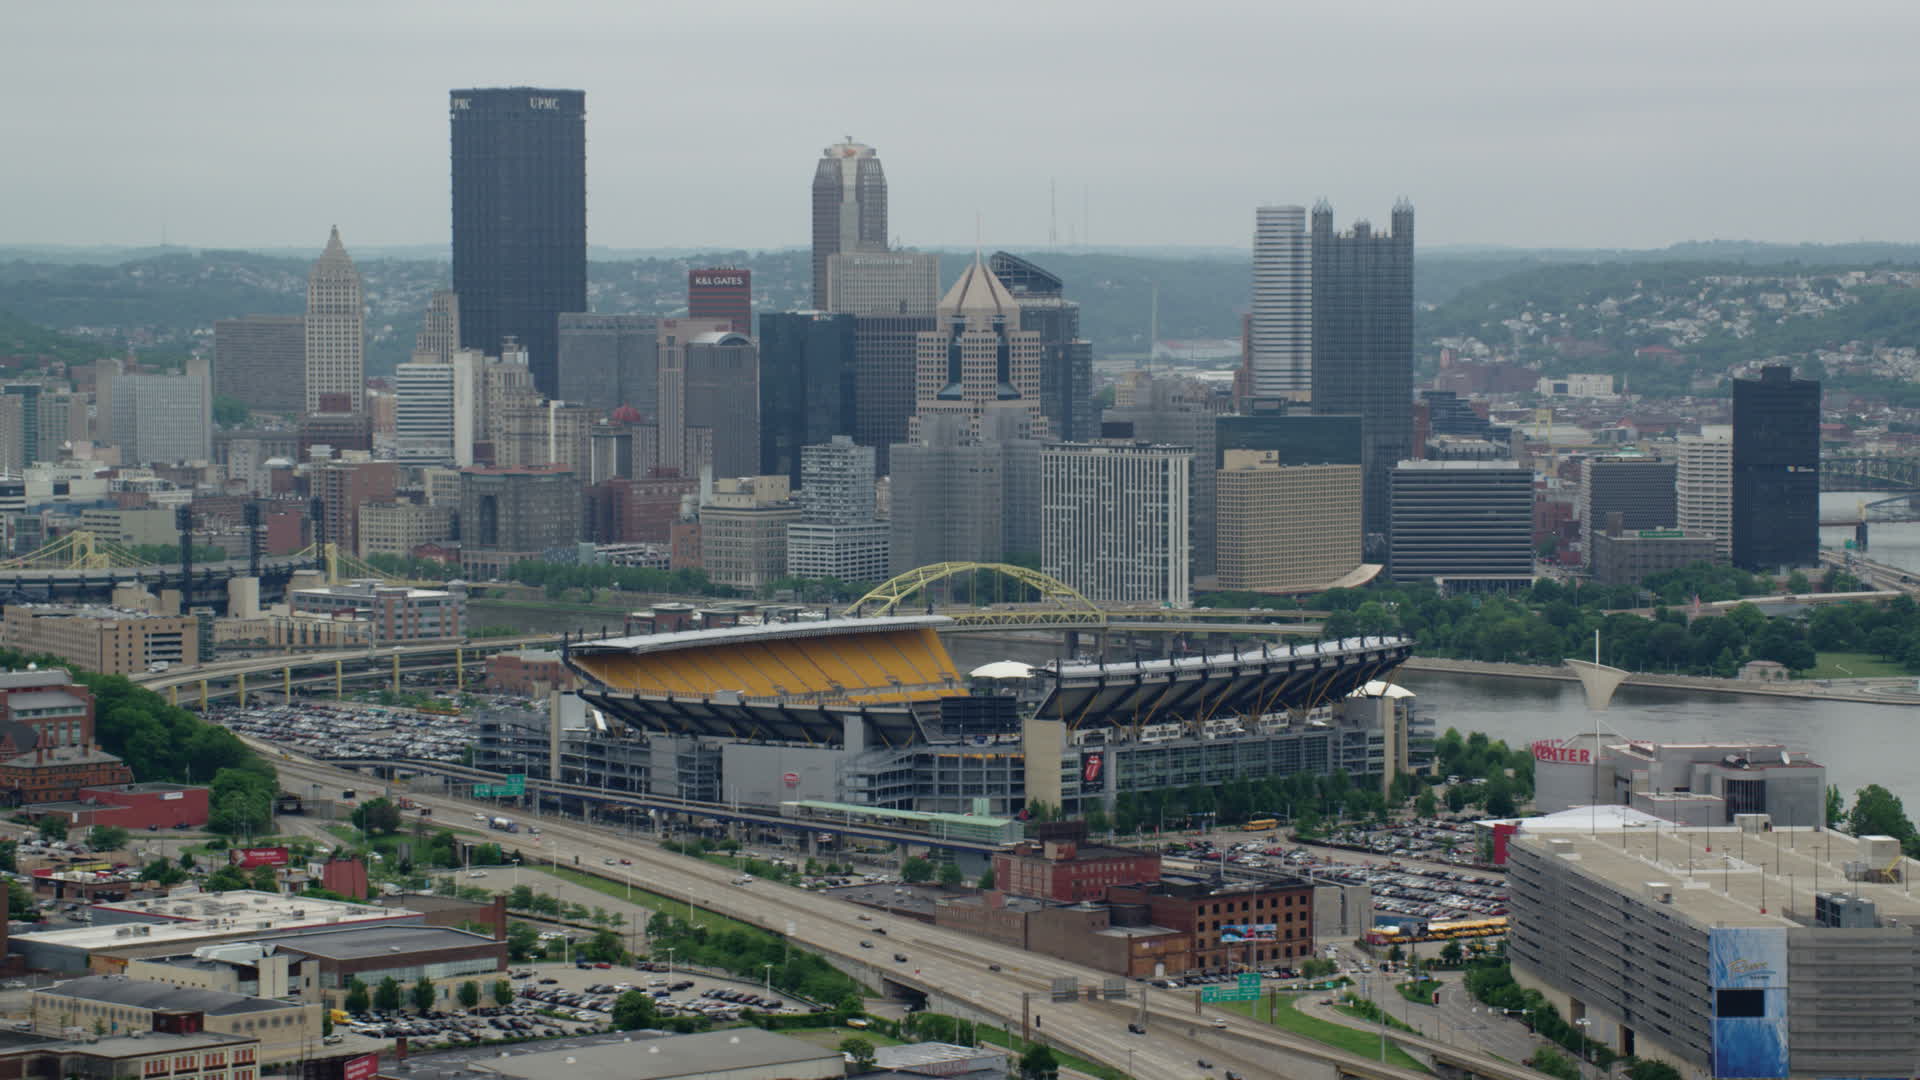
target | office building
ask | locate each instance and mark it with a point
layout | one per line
(439, 335)
(63, 425)
(30, 396)
(434, 409)
(1703, 486)
(885, 351)
(343, 488)
(1280, 330)
(545, 433)
(637, 510)
(1285, 528)
(1760, 950)
(743, 530)
(397, 528)
(112, 641)
(1618, 556)
(883, 283)
(806, 386)
(1178, 412)
(1638, 488)
(505, 383)
(1066, 360)
(1467, 524)
(14, 451)
(286, 1030)
(1113, 519)
(1296, 437)
(724, 293)
(607, 361)
(261, 360)
(519, 219)
(958, 496)
(976, 361)
(839, 534)
(1363, 347)
(336, 329)
(162, 418)
(396, 612)
(709, 400)
(849, 208)
(511, 514)
(1776, 470)
(178, 1047)
(337, 427)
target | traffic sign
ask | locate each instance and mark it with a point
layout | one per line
(1245, 988)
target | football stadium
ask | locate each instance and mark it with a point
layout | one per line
(874, 711)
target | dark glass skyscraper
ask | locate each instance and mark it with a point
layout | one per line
(1363, 349)
(806, 386)
(519, 219)
(849, 207)
(1776, 470)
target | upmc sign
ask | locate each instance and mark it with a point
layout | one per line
(364, 1067)
(259, 856)
(1556, 753)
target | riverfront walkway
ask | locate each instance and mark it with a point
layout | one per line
(1878, 691)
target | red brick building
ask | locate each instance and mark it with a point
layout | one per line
(529, 673)
(628, 511)
(1067, 869)
(47, 753)
(1241, 923)
(137, 806)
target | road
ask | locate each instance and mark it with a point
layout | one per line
(951, 966)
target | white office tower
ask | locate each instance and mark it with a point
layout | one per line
(838, 534)
(433, 410)
(1113, 520)
(1703, 486)
(336, 329)
(1282, 325)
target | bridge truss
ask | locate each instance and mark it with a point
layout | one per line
(1059, 604)
(79, 550)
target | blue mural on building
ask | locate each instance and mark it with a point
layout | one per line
(1747, 976)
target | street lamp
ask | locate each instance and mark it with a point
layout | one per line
(669, 961)
(769, 987)
(1584, 1024)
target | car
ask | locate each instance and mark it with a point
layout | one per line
(880, 930)
(626, 862)
(1219, 1023)
(1204, 1063)
(1136, 1029)
(866, 944)
(609, 862)
(993, 967)
(549, 982)
(1231, 1075)
(603, 965)
(899, 958)
(476, 873)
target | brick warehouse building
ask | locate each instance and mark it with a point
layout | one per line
(1062, 866)
(1240, 923)
(47, 752)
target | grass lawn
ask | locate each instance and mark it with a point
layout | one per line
(830, 1038)
(649, 900)
(1017, 1046)
(1855, 665)
(1339, 1036)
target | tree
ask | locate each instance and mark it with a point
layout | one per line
(1039, 1063)
(386, 996)
(1500, 798)
(377, 817)
(424, 994)
(1425, 805)
(1836, 806)
(916, 870)
(229, 412)
(1641, 1069)
(20, 902)
(951, 877)
(469, 994)
(53, 827)
(227, 879)
(502, 992)
(523, 941)
(986, 878)
(1797, 583)
(633, 1010)
(604, 947)
(356, 996)
(1878, 812)
(1450, 952)
(1456, 799)
(106, 838)
(264, 880)
(859, 1051)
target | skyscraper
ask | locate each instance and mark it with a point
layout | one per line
(976, 360)
(519, 219)
(1178, 411)
(1468, 523)
(893, 296)
(1362, 306)
(1776, 470)
(607, 361)
(336, 329)
(806, 386)
(261, 360)
(1281, 327)
(439, 336)
(1066, 358)
(162, 418)
(723, 292)
(1703, 491)
(849, 207)
(434, 409)
(709, 398)
(838, 535)
(1113, 519)
(1637, 487)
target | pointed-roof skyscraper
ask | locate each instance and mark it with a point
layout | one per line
(336, 330)
(977, 359)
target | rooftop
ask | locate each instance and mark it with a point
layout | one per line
(668, 1057)
(1728, 877)
(13, 680)
(192, 917)
(247, 904)
(141, 994)
(378, 941)
(733, 635)
(145, 1043)
(42, 699)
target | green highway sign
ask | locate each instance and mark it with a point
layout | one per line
(1245, 988)
(515, 787)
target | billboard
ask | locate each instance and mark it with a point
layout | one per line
(1747, 975)
(1248, 932)
(1093, 768)
(258, 856)
(364, 1067)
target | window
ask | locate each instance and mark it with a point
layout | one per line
(1740, 1003)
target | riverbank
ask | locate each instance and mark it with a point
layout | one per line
(1877, 691)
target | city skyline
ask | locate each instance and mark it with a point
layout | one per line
(1499, 119)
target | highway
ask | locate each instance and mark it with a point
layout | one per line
(952, 968)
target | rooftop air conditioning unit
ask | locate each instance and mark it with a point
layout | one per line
(1660, 892)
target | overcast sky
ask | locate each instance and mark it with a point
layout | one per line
(1615, 124)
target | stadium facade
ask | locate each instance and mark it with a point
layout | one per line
(874, 711)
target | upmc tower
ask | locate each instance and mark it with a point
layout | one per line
(723, 292)
(519, 219)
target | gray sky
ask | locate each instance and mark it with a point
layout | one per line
(1617, 124)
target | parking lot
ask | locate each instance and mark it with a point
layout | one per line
(589, 993)
(351, 731)
(1419, 888)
